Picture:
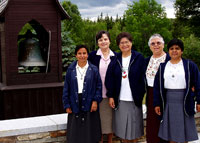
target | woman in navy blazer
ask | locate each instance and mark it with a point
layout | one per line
(176, 86)
(81, 95)
(125, 89)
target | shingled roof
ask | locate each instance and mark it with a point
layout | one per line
(4, 4)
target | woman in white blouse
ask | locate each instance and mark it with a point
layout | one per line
(174, 99)
(82, 94)
(156, 44)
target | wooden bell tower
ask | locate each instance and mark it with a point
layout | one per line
(30, 58)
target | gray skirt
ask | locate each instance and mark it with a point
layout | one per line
(106, 116)
(128, 121)
(176, 126)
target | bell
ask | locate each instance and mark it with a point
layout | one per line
(32, 55)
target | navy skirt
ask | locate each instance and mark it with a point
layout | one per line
(84, 127)
(176, 125)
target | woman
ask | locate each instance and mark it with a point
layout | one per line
(102, 58)
(125, 89)
(156, 44)
(81, 94)
(173, 96)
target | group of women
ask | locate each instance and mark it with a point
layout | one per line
(104, 90)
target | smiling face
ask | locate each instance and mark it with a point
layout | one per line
(125, 45)
(104, 42)
(156, 46)
(175, 52)
(82, 55)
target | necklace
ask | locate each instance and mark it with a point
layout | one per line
(82, 74)
(125, 68)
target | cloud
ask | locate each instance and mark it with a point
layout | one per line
(169, 7)
(92, 8)
(112, 10)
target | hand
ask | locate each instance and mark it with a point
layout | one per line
(198, 107)
(112, 103)
(69, 110)
(157, 110)
(94, 106)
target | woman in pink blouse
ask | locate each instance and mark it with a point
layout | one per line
(102, 58)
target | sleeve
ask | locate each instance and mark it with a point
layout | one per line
(98, 93)
(156, 89)
(143, 90)
(66, 91)
(196, 76)
(109, 80)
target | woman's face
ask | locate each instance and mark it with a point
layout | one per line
(104, 42)
(175, 52)
(125, 45)
(156, 46)
(82, 55)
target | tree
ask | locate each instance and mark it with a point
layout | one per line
(75, 24)
(192, 49)
(144, 18)
(180, 29)
(188, 12)
(68, 49)
(91, 28)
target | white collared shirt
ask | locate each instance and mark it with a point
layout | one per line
(81, 72)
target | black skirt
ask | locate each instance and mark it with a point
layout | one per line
(84, 127)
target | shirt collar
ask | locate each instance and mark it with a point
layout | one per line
(86, 66)
(99, 52)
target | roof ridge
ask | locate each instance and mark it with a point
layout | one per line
(3, 5)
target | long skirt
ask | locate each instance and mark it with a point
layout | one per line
(153, 123)
(128, 121)
(84, 127)
(176, 125)
(106, 116)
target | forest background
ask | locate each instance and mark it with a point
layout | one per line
(142, 19)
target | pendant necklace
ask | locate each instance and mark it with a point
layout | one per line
(82, 74)
(124, 68)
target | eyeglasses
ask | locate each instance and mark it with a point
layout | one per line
(124, 43)
(156, 43)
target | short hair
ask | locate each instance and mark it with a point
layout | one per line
(78, 47)
(156, 36)
(123, 35)
(177, 42)
(100, 33)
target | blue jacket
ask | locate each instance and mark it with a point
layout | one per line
(146, 65)
(135, 75)
(95, 59)
(192, 78)
(92, 89)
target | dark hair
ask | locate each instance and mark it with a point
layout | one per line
(78, 47)
(100, 33)
(177, 42)
(123, 35)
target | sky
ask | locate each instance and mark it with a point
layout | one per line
(92, 8)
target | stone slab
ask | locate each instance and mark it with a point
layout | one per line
(32, 125)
